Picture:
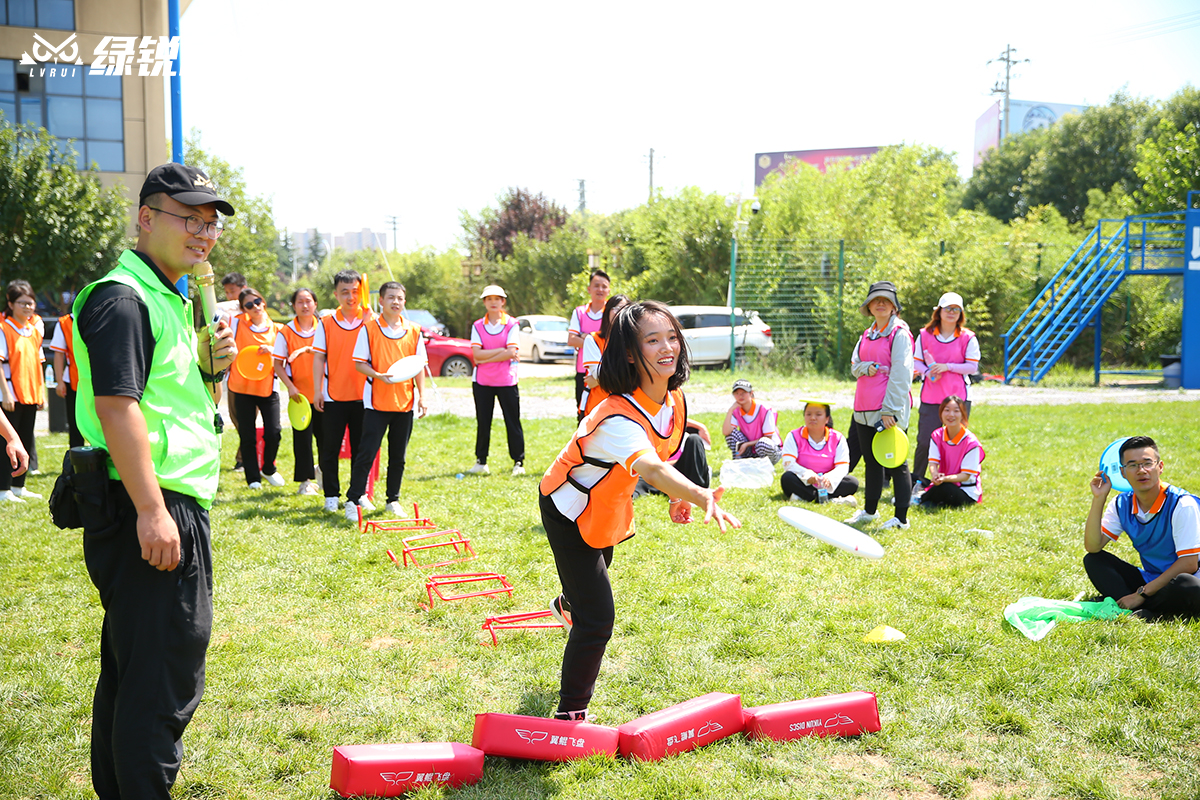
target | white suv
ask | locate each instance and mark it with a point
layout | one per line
(706, 329)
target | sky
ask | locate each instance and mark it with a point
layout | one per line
(344, 114)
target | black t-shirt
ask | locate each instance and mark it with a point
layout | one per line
(114, 323)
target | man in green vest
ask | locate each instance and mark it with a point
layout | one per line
(142, 397)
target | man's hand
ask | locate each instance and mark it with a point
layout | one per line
(1132, 601)
(222, 351)
(17, 456)
(60, 389)
(422, 409)
(1100, 486)
(159, 537)
(319, 401)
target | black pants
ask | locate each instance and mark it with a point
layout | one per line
(792, 485)
(398, 425)
(22, 418)
(152, 646)
(852, 446)
(339, 415)
(74, 437)
(1115, 578)
(927, 423)
(580, 386)
(248, 405)
(946, 494)
(875, 474)
(692, 464)
(510, 408)
(302, 447)
(583, 572)
(233, 418)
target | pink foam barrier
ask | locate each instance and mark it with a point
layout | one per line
(390, 770)
(682, 727)
(541, 739)
(848, 714)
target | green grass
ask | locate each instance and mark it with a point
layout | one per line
(319, 640)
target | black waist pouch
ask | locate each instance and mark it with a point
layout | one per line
(82, 490)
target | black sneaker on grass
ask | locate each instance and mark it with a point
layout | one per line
(560, 609)
(572, 716)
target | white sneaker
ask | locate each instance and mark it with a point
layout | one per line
(8, 497)
(308, 488)
(21, 491)
(255, 485)
(366, 505)
(393, 508)
(518, 469)
(895, 523)
(793, 498)
(844, 501)
(351, 511)
(275, 479)
(861, 516)
(331, 505)
(478, 469)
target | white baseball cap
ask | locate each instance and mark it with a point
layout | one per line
(492, 290)
(951, 299)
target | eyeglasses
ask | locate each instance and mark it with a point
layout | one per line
(952, 309)
(194, 225)
(25, 304)
(255, 303)
(1139, 466)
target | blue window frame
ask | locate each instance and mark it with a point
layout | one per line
(56, 15)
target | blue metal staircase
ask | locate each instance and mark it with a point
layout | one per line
(1150, 244)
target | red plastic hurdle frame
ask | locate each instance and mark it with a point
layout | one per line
(435, 583)
(412, 546)
(414, 523)
(515, 622)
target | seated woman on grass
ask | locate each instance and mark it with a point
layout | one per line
(817, 457)
(955, 459)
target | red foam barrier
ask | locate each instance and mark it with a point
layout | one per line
(540, 739)
(682, 727)
(848, 714)
(390, 770)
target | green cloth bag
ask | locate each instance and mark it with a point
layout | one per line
(1036, 616)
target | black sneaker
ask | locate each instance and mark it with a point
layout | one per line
(560, 609)
(572, 716)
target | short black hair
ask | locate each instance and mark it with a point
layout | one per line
(1137, 443)
(296, 294)
(235, 279)
(619, 364)
(827, 408)
(599, 273)
(389, 286)
(614, 304)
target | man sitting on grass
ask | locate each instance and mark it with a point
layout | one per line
(1163, 524)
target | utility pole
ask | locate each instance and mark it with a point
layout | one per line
(582, 196)
(1007, 58)
(393, 220)
(651, 175)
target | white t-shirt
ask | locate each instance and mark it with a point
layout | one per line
(513, 340)
(841, 458)
(1185, 523)
(362, 352)
(281, 343)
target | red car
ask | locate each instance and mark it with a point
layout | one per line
(448, 357)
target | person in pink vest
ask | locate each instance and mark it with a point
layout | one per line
(584, 320)
(955, 459)
(494, 344)
(883, 364)
(816, 460)
(751, 429)
(944, 355)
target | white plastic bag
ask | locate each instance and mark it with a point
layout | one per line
(747, 473)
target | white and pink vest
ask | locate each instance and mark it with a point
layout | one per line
(939, 352)
(586, 325)
(953, 454)
(496, 373)
(819, 461)
(870, 391)
(753, 430)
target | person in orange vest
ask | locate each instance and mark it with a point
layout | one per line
(585, 497)
(339, 385)
(293, 367)
(387, 403)
(66, 374)
(584, 320)
(253, 396)
(23, 383)
(593, 349)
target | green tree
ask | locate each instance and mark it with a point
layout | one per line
(519, 212)
(998, 185)
(316, 250)
(1169, 166)
(59, 228)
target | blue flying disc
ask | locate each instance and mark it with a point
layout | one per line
(1110, 463)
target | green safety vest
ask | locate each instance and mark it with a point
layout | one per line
(177, 406)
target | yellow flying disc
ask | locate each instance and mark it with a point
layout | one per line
(299, 413)
(253, 365)
(890, 446)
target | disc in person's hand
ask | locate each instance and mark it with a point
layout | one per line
(1110, 464)
(299, 413)
(252, 364)
(890, 446)
(406, 368)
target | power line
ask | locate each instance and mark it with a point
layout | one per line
(1187, 20)
(1162, 31)
(1007, 59)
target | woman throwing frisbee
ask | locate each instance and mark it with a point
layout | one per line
(585, 495)
(883, 364)
(945, 353)
(955, 459)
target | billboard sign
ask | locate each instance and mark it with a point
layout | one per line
(766, 163)
(1024, 116)
(987, 132)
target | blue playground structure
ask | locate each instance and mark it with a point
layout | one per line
(1148, 244)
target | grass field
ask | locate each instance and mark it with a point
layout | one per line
(319, 641)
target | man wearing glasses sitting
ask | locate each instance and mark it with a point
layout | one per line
(1163, 524)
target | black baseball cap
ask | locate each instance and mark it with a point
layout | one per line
(183, 184)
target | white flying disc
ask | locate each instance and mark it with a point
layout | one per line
(406, 368)
(831, 532)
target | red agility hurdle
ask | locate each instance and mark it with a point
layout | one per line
(414, 523)
(515, 622)
(434, 586)
(461, 544)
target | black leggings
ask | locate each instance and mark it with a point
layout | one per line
(928, 421)
(248, 405)
(1115, 578)
(948, 495)
(339, 415)
(302, 447)
(22, 417)
(74, 437)
(583, 572)
(792, 485)
(876, 473)
(398, 425)
(510, 407)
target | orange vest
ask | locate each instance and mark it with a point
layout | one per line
(25, 362)
(66, 322)
(300, 369)
(386, 351)
(244, 338)
(344, 382)
(608, 516)
(595, 394)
